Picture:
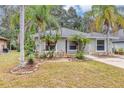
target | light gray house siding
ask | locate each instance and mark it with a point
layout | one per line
(66, 46)
(90, 48)
(61, 45)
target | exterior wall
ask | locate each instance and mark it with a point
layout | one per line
(3, 44)
(40, 46)
(61, 45)
(90, 48)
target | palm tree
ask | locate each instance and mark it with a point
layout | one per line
(22, 35)
(50, 38)
(41, 17)
(108, 20)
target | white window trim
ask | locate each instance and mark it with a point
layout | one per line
(104, 45)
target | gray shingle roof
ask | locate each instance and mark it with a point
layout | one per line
(65, 32)
(69, 32)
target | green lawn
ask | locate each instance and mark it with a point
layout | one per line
(66, 74)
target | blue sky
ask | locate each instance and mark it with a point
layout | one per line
(79, 9)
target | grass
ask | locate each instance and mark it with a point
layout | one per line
(65, 74)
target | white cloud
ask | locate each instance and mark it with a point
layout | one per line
(80, 9)
(86, 8)
(66, 7)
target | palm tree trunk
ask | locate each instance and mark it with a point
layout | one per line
(108, 41)
(39, 40)
(22, 35)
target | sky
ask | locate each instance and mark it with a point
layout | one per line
(79, 9)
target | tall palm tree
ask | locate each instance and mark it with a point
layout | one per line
(22, 35)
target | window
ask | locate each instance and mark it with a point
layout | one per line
(52, 46)
(100, 45)
(72, 46)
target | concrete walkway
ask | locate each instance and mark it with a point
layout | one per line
(115, 61)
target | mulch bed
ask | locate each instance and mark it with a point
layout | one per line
(27, 68)
(30, 68)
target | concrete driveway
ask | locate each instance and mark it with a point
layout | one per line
(117, 61)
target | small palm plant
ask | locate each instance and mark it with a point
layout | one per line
(80, 44)
(31, 59)
(49, 38)
(79, 41)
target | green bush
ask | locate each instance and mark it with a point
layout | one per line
(43, 55)
(50, 54)
(31, 59)
(120, 50)
(79, 55)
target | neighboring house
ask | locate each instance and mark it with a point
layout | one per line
(3, 44)
(119, 43)
(98, 42)
(3, 40)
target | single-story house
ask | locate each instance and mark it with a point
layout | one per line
(119, 43)
(3, 43)
(98, 43)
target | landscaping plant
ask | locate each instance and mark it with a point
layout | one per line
(79, 55)
(31, 59)
(79, 41)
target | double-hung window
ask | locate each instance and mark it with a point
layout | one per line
(72, 46)
(100, 45)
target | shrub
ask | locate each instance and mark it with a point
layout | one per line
(50, 54)
(79, 55)
(31, 59)
(43, 55)
(120, 50)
